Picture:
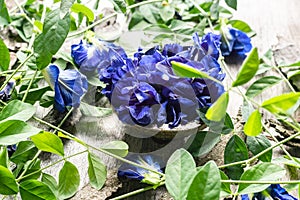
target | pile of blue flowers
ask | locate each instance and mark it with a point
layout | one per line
(144, 89)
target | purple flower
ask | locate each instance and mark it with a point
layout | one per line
(210, 43)
(6, 92)
(69, 86)
(274, 190)
(141, 174)
(235, 42)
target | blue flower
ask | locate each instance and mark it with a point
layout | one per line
(235, 42)
(89, 56)
(210, 43)
(6, 92)
(141, 174)
(277, 192)
(144, 89)
(274, 190)
(69, 86)
(11, 149)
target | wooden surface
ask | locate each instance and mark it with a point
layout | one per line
(277, 25)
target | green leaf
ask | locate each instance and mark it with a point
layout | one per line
(231, 3)
(261, 84)
(4, 157)
(14, 131)
(93, 111)
(8, 184)
(4, 54)
(225, 187)
(96, 171)
(186, 71)
(260, 172)
(214, 10)
(283, 104)
(80, 8)
(258, 144)
(246, 109)
(119, 148)
(51, 182)
(25, 151)
(33, 169)
(35, 94)
(17, 110)
(69, 180)
(253, 126)
(206, 184)
(120, 5)
(241, 25)
(47, 99)
(248, 69)
(228, 125)
(295, 79)
(55, 31)
(218, 110)
(34, 189)
(48, 142)
(4, 16)
(203, 143)
(166, 13)
(65, 7)
(235, 150)
(180, 171)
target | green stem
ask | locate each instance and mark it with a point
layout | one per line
(285, 79)
(52, 164)
(136, 192)
(64, 119)
(281, 146)
(260, 182)
(110, 16)
(29, 86)
(98, 149)
(204, 13)
(16, 70)
(23, 13)
(27, 79)
(125, 160)
(25, 170)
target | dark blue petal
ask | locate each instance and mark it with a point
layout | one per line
(245, 197)
(86, 56)
(235, 42)
(278, 192)
(69, 86)
(6, 92)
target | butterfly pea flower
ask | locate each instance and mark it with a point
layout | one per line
(274, 190)
(69, 86)
(141, 174)
(210, 43)
(235, 42)
(88, 56)
(6, 92)
(11, 149)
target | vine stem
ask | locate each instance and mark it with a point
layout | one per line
(52, 164)
(16, 70)
(204, 13)
(110, 16)
(260, 182)
(137, 192)
(70, 136)
(29, 86)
